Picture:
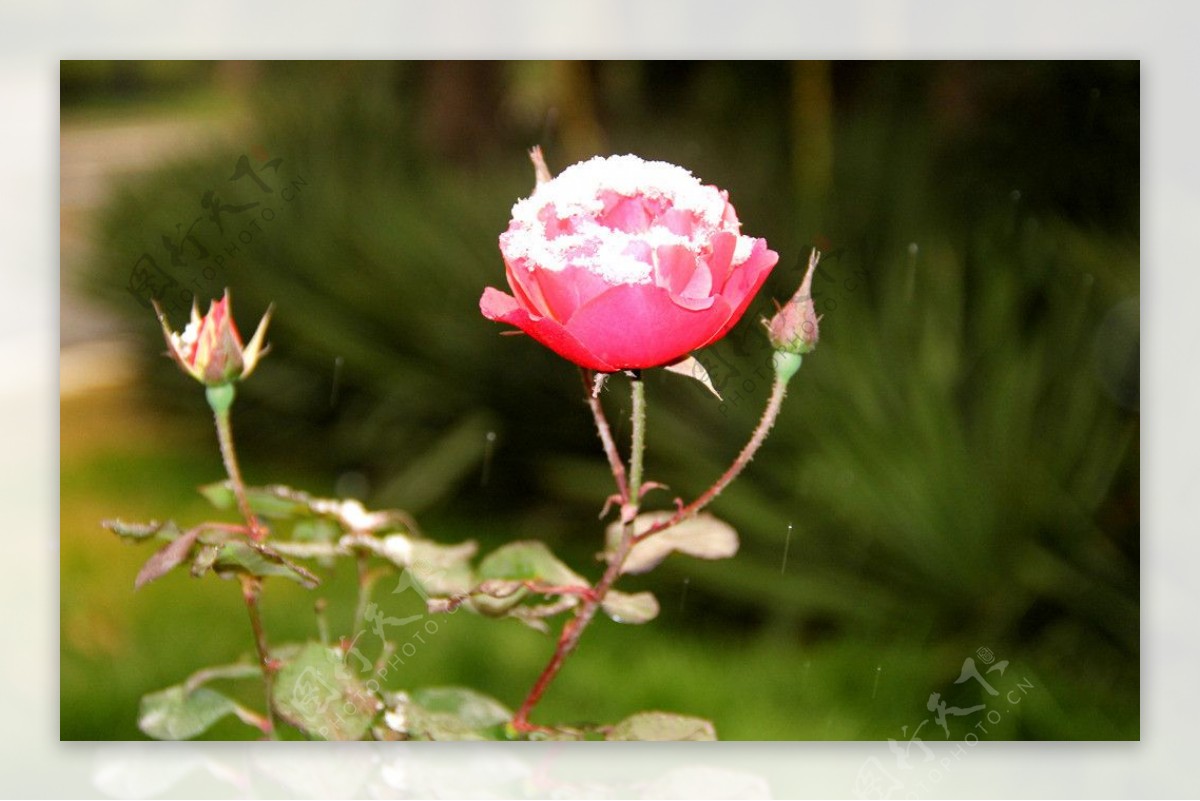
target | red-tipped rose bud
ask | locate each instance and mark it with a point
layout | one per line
(210, 349)
(794, 328)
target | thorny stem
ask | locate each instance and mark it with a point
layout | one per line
(225, 437)
(228, 528)
(220, 398)
(778, 391)
(251, 587)
(606, 438)
(568, 640)
(559, 589)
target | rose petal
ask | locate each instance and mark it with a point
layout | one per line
(628, 214)
(678, 221)
(524, 286)
(635, 326)
(566, 290)
(745, 282)
(720, 261)
(504, 308)
(701, 284)
(673, 267)
(687, 280)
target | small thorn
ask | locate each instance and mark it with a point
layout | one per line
(608, 504)
(651, 485)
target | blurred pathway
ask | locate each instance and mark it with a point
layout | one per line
(95, 156)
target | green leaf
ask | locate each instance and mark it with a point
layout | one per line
(260, 560)
(532, 616)
(662, 726)
(205, 558)
(499, 588)
(528, 560)
(445, 713)
(638, 607)
(475, 709)
(276, 502)
(318, 692)
(500, 575)
(176, 714)
(166, 558)
(702, 536)
(315, 530)
(135, 532)
(396, 548)
(442, 570)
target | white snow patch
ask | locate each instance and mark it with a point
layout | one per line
(615, 255)
(743, 249)
(576, 189)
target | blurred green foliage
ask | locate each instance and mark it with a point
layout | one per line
(91, 87)
(956, 465)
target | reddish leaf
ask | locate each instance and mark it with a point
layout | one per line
(165, 558)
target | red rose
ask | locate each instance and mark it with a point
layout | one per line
(622, 264)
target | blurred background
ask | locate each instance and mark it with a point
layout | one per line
(955, 474)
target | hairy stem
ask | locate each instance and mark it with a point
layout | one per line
(638, 448)
(765, 424)
(251, 587)
(606, 437)
(568, 640)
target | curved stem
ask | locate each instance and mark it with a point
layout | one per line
(765, 424)
(568, 640)
(606, 438)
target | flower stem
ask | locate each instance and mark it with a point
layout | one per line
(639, 442)
(606, 437)
(251, 587)
(785, 368)
(568, 640)
(220, 398)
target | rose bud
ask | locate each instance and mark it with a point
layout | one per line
(622, 264)
(210, 349)
(794, 327)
